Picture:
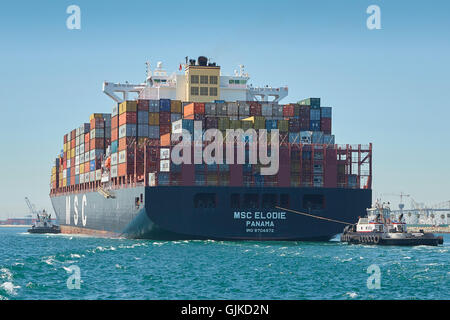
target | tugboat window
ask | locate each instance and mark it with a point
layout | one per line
(269, 200)
(313, 201)
(251, 200)
(235, 201)
(205, 200)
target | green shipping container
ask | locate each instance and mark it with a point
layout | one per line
(283, 125)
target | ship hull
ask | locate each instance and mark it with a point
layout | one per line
(218, 213)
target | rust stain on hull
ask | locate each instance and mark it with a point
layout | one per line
(92, 232)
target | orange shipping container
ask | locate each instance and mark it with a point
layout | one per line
(127, 117)
(87, 166)
(122, 144)
(86, 137)
(72, 143)
(165, 140)
(194, 108)
(114, 134)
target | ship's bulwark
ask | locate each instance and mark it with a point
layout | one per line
(220, 213)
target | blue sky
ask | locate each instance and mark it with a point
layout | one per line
(388, 86)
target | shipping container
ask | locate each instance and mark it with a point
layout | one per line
(127, 106)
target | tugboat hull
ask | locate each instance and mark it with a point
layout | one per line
(373, 238)
(44, 230)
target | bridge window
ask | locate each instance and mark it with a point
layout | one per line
(203, 79)
(213, 91)
(194, 79)
(313, 201)
(213, 79)
(194, 91)
(205, 200)
(203, 91)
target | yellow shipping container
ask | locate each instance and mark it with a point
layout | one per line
(53, 170)
(175, 106)
(81, 169)
(127, 106)
(153, 119)
(95, 115)
(72, 153)
(64, 182)
(64, 147)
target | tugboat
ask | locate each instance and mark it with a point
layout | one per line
(44, 224)
(378, 229)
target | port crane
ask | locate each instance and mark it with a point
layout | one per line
(31, 206)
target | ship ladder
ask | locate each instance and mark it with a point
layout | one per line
(105, 193)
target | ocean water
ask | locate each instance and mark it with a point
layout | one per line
(42, 267)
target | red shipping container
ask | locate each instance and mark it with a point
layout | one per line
(87, 167)
(164, 118)
(97, 123)
(236, 175)
(98, 143)
(127, 117)
(115, 122)
(72, 171)
(86, 137)
(114, 134)
(255, 109)
(164, 129)
(305, 111)
(73, 134)
(86, 146)
(127, 168)
(325, 125)
(65, 138)
(194, 108)
(143, 105)
(72, 143)
(288, 110)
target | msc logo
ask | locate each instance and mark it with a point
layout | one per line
(76, 215)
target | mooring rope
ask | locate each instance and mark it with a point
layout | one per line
(314, 216)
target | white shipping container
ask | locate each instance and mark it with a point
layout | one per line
(77, 141)
(77, 132)
(113, 171)
(115, 110)
(164, 153)
(82, 158)
(305, 137)
(232, 109)
(114, 159)
(68, 163)
(82, 178)
(64, 174)
(164, 165)
(98, 174)
(86, 177)
(81, 148)
(77, 169)
(122, 156)
(92, 176)
(97, 133)
(87, 156)
(77, 150)
(77, 160)
(152, 179)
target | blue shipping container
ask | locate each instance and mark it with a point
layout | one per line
(271, 124)
(294, 137)
(314, 125)
(164, 105)
(92, 165)
(325, 112)
(114, 146)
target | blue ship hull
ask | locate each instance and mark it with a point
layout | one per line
(219, 213)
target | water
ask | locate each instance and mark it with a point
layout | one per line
(38, 267)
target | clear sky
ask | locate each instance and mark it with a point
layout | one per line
(389, 86)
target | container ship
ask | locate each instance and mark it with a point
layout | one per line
(117, 175)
